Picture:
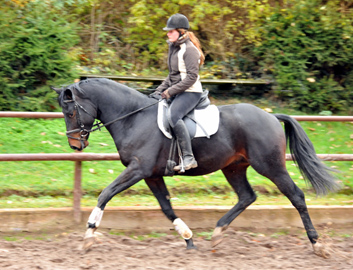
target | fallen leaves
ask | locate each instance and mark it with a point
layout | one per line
(49, 142)
(269, 110)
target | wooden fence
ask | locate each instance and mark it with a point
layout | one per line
(223, 87)
(157, 80)
(79, 157)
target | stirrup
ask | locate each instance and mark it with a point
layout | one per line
(179, 168)
(182, 168)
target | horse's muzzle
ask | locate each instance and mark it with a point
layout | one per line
(78, 143)
(78, 138)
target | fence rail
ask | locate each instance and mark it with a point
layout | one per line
(82, 156)
(161, 79)
(60, 115)
(79, 157)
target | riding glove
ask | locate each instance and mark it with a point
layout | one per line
(156, 95)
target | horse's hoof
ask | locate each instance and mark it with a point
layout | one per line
(321, 250)
(217, 236)
(88, 242)
(217, 240)
(190, 244)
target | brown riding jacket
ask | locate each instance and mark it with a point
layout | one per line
(183, 64)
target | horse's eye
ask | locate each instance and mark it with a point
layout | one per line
(71, 115)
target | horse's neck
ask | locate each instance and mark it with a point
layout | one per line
(114, 104)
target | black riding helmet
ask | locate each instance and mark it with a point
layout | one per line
(177, 21)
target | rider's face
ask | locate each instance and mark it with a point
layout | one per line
(173, 35)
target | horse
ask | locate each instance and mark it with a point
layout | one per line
(247, 136)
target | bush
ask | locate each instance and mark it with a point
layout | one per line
(308, 49)
(33, 52)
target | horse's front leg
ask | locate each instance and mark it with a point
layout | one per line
(160, 191)
(130, 176)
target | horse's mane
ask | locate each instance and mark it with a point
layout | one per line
(79, 87)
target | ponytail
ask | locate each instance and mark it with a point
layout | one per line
(195, 41)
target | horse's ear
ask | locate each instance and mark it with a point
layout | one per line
(57, 90)
(68, 95)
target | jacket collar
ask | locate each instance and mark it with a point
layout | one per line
(179, 41)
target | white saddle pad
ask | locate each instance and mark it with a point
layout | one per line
(207, 120)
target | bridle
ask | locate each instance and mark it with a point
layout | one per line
(98, 125)
(82, 131)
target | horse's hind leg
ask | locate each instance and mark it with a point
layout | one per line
(160, 191)
(286, 185)
(297, 198)
(236, 176)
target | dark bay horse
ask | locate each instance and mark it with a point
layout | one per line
(247, 136)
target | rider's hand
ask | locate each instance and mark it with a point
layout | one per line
(156, 95)
(165, 94)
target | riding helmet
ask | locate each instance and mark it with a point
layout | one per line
(177, 21)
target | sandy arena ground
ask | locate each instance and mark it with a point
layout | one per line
(239, 250)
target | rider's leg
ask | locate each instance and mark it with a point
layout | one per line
(181, 105)
(183, 138)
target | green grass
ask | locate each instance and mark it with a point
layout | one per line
(181, 200)
(280, 233)
(50, 183)
(139, 236)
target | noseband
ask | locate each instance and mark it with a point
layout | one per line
(97, 126)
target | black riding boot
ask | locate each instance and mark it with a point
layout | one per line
(183, 138)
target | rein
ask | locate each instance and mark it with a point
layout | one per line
(84, 132)
(100, 124)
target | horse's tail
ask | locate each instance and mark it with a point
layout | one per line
(303, 153)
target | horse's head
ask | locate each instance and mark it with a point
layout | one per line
(79, 114)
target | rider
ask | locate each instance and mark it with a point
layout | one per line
(182, 86)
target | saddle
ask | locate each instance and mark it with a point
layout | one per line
(202, 121)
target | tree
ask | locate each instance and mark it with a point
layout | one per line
(33, 51)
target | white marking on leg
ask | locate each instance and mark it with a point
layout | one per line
(182, 228)
(89, 233)
(96, 216)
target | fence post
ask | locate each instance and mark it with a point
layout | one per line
(77, 191)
